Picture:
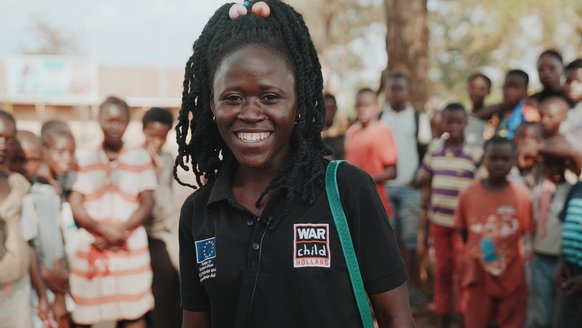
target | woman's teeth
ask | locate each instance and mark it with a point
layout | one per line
(253, 137)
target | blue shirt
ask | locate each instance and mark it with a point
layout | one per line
(571, 216)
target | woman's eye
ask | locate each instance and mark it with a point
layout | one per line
(233, 99)
(271, 98)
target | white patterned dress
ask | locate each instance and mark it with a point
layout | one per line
(108, 285)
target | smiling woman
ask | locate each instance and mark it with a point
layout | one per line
(258, 247)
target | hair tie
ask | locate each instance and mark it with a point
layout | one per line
(237, 10)
(260, 8)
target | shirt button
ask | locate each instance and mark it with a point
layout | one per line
(255, 246)
(250, 222)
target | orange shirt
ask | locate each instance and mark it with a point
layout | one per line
(495, 223)
(372, 149)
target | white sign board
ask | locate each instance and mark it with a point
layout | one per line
(52, 79)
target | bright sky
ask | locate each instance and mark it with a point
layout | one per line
(125, 32)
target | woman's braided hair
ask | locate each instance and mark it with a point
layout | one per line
(285, 32)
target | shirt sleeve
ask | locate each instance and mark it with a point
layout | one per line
(81, 181)
(424, 130)
(148, 180)
(49, 240)
(374, 240)
(460, 222)
(386, 146)
(425, 170)
(527, 220)
(29, 219)
(193, 296)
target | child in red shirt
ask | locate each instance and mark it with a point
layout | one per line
(492, 216)
(370, 145)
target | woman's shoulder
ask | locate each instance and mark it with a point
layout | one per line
(351, 177)
(198, 199)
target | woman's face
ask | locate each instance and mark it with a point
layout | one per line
(254, 101)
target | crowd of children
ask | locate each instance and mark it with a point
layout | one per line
(87, 234)
(495, 194)
(91, 230)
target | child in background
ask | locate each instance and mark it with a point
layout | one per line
(41, 214)
(448, 169)
(492, 216)
(507, 116)
(370, 146)
(110, 199)
(549, 198)
(528, 140)
(332, 134)
(572, 127)
(17, 259)
(478, 87)
(569, 273)
(550, 72)
(59, 156)
(162, 227)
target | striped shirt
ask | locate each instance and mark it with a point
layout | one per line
(450, 171)
(572, 228)
(108, 285)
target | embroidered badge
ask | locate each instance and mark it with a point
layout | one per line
(205, 249)
(205, 253)
(311, 246)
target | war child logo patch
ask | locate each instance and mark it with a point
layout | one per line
(311, 246)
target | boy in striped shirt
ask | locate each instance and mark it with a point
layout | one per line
(448, 168)
(569, 273)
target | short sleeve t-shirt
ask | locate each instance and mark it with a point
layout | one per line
(283, 271)
(402, 125)
(495, 223)
(372, 149)
(450, 171)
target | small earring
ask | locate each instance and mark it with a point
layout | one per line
(214, 119)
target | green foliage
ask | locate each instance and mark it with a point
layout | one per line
(472, 35)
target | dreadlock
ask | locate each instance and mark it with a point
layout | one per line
(283, 31)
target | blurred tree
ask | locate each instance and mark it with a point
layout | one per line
(407, 44)
(496, 35)
(334, 26)
(440, 42)
(50, 41)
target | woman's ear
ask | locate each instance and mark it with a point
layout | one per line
(212, 103)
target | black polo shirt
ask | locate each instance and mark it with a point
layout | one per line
(290, 272)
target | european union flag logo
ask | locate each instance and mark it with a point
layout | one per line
(205, 249)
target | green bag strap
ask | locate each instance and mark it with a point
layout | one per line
(341, 224)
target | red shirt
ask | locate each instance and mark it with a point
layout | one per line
(495, 222)
(372, 149)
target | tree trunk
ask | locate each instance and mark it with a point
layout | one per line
(407, 45)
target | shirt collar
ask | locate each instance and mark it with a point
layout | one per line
(407, 107)
(222, 190)
(457, 151)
